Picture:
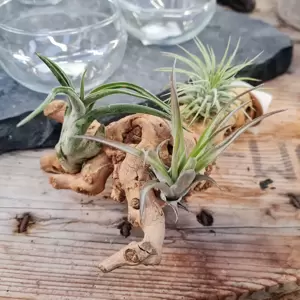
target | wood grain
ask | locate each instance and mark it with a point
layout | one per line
(252, 251)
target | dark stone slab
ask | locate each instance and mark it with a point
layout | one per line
(41, 133)
(245, 6)
(138, 66)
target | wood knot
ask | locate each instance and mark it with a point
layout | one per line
(130, 255)
(134, 136)
(205, 218)
(294, 200)
(24, 222)
(125, 228)
(147, 247)
(202, 186)
(135, 203)
(208, 170)
(264, 184)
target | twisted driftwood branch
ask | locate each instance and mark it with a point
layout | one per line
(129, 173)
(148, 251)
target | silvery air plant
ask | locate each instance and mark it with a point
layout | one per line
(211, 84)
(176, 180)
(80, 113)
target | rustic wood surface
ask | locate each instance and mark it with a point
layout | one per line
(252, 251)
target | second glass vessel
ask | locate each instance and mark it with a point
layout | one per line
(166, 22)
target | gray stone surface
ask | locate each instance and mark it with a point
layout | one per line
(140, 62)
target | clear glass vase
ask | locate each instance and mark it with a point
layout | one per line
(166, 22)
(77, 35)
(40, 2)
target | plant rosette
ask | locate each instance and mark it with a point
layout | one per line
(211, 85)
(258, 105)
(78, 116)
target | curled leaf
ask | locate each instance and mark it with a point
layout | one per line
(177, 131)
(182, 206)
(125, 88)
(200, 177)
(148, 186)
(183, 182)
(74, 103)
(211, 155)
(60, 75)
(111, 143)
(174, 206)
(157, 166)
(82, 86)
(116, 109)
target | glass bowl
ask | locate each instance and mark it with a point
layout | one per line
(76, 34)
(40, 2)
(166, 22)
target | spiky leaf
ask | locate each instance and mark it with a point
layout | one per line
(82, 86)
(210, 83)
(125, 88)
(177, 132)
(114, 144)
(147, 187)
(60, 75)
(184, 180)
(117, 109)
(211, 155)
(73, 100)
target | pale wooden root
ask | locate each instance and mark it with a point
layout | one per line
(56, 110)
(149, 250)
(50, 164)
(130, 173)
(90, 181)
(143, 132)
(94, 128)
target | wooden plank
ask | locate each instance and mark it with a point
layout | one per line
(57, 257)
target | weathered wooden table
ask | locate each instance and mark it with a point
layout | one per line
(252, 251)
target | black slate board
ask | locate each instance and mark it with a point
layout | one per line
(138, 66)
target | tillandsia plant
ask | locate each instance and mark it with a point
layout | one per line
(176, 180)
(211, 84)
(80, 113)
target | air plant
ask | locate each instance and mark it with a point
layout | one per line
(186, 169)
(210, 85)
(80, 113)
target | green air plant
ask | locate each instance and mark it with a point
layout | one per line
(186, 169)
(210, 86)
(80, 113)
